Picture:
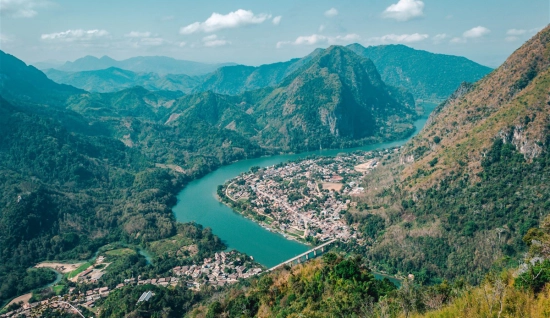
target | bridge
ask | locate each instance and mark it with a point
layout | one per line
(298, 259)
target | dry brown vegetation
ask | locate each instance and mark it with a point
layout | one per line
(468, 124)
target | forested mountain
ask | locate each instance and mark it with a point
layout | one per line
(63, 194)
(235, 80)
(338, 97)
(141, 64)
(473, 181)
(426, 75)
(114, 79)
(28, 84)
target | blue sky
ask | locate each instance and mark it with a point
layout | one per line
(257, 32)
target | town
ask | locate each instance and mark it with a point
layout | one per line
(222, 269)
(306, 199)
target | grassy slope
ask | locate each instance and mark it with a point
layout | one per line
(444, 217)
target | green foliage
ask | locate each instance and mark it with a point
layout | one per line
(490, 215)
(167, 302)
(338, 287)
(15, 281)
(535, 277)
(426, 75)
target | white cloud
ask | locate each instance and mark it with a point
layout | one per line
(476, 32)
(344, 39)
(231, 20)
(209, 38)
(137, 34)
(214, 41)
(399, 38)
(404, 10)
(21, 8)
(138, 39)
(321, 28)
(4, 38)
(330, 13)
(156, 41)
(516, 32)
(310, 39)
(536, 30)
(75, 35)
(315, 39)
(457, 40)
(276, 20)
(440, 38)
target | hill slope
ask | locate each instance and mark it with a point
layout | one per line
(28, 83)
(474, 180)
(335, 98)
(426, 75)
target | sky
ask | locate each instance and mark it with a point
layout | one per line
(255, 32)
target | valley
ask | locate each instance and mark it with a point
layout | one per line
(153, 186)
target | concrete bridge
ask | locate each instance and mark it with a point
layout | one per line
(305, 255)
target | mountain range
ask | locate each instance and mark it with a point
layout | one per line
(427, 76)
(113, 79)
(141, 64)
(81, 169)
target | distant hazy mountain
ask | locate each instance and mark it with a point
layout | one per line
(114, 79)
(44, 65)
(234, 80)
(426, 75)
(142, 64)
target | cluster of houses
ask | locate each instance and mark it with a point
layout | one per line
(65, 303)
(223, 269)
(36, 309)
(308, 197)
(93, 274)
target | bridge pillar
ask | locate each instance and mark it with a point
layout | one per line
(323, 249)
(307, 256)
(314, 253)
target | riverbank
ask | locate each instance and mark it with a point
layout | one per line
(198, 202)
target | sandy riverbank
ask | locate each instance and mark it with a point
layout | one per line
(23, 298)
(63, 268)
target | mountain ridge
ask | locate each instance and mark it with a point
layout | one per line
(113, 78)
(426, 75)
(141, 64)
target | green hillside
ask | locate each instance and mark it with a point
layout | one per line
(426, 75)
(474, 180)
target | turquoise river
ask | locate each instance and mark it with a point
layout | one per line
(198, 202)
